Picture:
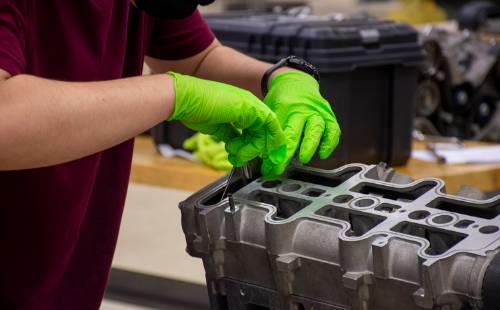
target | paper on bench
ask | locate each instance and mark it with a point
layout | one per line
(471, 155)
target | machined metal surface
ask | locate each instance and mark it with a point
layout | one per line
(358, 237)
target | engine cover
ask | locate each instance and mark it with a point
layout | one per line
(358, 237)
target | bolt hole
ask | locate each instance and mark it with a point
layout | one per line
(271, 184)
(488, 229)
(313, 192)
(342, 198)
(442, 219)
(291, 187)
(364, 203)
(419, 215)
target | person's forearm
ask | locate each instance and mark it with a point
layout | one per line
(227, 65)
(219, 63)
(44, 122)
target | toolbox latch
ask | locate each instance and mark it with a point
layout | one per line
(370, 36)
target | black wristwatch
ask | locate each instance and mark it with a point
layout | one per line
(292, 62)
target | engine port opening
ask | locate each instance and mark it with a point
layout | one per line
(216, 197)
(440, 240)
(324, 180)
(286, 206)
(397, 194)
(360, 223)
(485, 212)
(387, 208)
(313, 192)
(464, 223)
(419, 215)
(342, 198)
(270, 184)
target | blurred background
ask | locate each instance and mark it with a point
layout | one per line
(379, 8)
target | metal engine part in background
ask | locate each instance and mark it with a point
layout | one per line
(458, 90)
(482, 16)
(273, 5)
(358, 237)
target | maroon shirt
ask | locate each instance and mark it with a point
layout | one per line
(60, 224)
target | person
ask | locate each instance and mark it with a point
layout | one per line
(71, 100)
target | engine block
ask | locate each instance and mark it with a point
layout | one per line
(358, 237)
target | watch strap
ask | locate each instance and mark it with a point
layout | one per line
(292, 62)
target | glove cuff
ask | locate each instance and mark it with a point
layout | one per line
(179, 96)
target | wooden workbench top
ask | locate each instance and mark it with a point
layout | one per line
(149, 168)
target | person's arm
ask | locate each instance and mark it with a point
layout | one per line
(219, 63)
(45, 122)
(306, 117)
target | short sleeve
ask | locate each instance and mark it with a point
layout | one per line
(12, 37)
(174, 39)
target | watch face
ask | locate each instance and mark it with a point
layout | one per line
(301, 64)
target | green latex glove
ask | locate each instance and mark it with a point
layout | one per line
(232, 115)
(305, 116)
(209, 151)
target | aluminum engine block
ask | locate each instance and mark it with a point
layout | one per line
(358, 237)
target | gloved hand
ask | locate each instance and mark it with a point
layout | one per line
(209, 151)
(232, 115)
(305, 116)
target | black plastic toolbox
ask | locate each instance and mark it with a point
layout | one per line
(368, 71)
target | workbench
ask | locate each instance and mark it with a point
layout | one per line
(150, 168)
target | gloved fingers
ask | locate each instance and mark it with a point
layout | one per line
(331, 139)
(250, 112)
(267, 139)
(267, 167)
(269, 170)
(275, 140)
(225, 132)
(294, 128)
(245, 148)
(258, 120)
(234, 145)
(313, 133)
(222, 132)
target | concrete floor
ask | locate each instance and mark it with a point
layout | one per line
(151, 240)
